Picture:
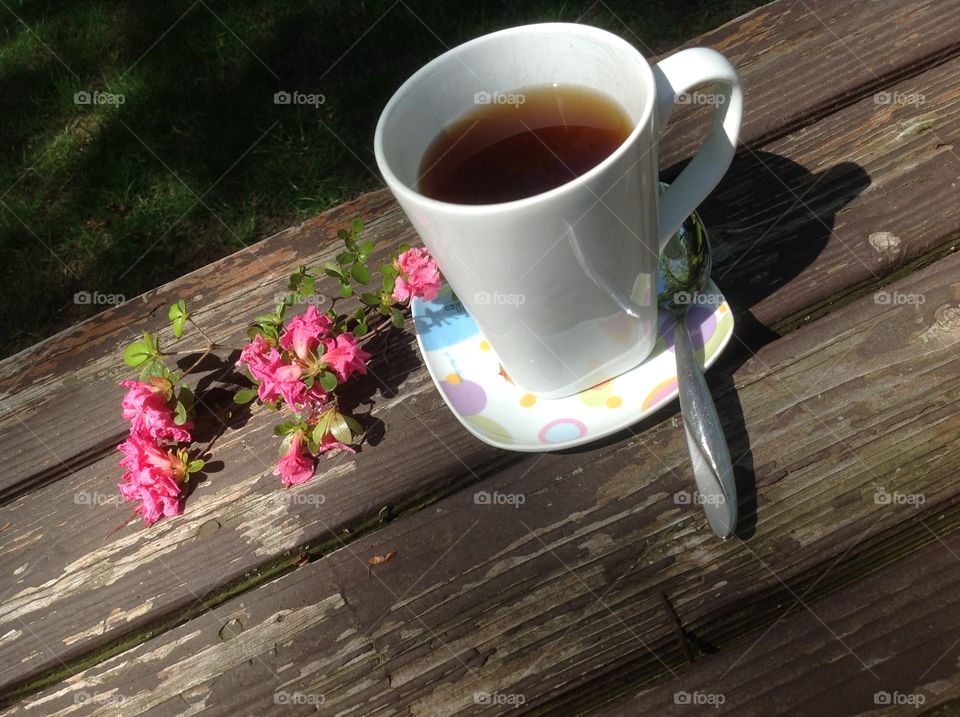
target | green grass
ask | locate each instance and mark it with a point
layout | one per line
(198, 161)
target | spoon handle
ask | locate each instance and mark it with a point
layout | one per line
(712, 468)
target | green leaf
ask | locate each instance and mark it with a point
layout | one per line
(346, 257)
(254, 331)
(346, 291)
(340, 429)
(342, 234)
(149, 342)
(365, 249)
(402, 248)
(179, 414)
(397, 318)
(360, 273)
(266, 319)
(322, 427)
(334, 271)
(195, 466)
(328, 381)
(135, 354)
(186, 398)
(370, 299)
(361, 328)
(307, 289)
(353, 424)
(244, 395)
(178, 327)
(389, 282)
(356, 226)
(285, 428)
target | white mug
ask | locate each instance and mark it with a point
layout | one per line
(563, 283)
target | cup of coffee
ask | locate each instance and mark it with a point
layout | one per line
(527, 162)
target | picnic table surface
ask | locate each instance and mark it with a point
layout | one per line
(835, 235)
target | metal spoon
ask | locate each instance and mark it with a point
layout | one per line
(684, 271)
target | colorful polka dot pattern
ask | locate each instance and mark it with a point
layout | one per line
(478, 390)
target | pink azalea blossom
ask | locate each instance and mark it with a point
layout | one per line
(297, 465)
(344, 356)
(256, 355)
(153, 478)
(149, 413)
(276, 377)
(419, 275)
(140, 453)
(158, 493)
(303, 334)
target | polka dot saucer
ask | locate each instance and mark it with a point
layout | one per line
(481, 395)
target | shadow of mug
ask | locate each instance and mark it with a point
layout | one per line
(768, 221)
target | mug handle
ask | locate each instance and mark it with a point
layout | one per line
(675, 75)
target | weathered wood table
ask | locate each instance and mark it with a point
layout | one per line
(835, 234)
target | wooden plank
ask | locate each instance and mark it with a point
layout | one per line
(902, 628)
(823, 212)
(802, 60)
(554, 594)
(765, 45)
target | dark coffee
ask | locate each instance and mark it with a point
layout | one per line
(518, 144)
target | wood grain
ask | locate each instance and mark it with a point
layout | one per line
(863, 174)
(903, 624)
(561, 594)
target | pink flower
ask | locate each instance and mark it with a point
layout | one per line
(149, 413)
(257, 355)
(304, 332)
(158, 493)
(344, 357)
(277, 378)
(153, 477)
(419, 275)
(141, 454)
(297, 465)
